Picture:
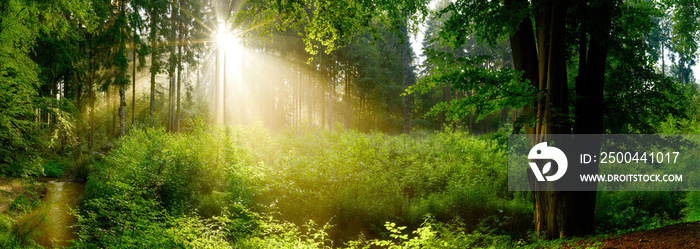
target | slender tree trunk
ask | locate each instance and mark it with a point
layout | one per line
(348, 117)
(224, 120)
(179, 71)
(216, 86)
(663, 54)
(154, 60)
(331, 89)
(133, 86)
(113, 111)
(324, 86)
(406, 108)
(171, 86)
(91, 71)
(179, 83)
(122, 110)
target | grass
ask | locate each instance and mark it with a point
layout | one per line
(20, 222)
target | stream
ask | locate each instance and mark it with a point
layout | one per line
(61, 196)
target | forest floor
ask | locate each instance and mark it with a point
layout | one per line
(9, 190)
(682, 235)
(12, 188)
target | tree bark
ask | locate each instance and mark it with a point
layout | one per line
(216, 86)
(524, 55)
(122, 110)
(179, 71)
(406, 108)
(171, 86)
(560, 214)
(91, 93)
(223, 120)
(133, 85)
(331, 89)
(154, 62)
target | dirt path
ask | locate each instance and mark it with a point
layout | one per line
(9, 190)
(682, 235)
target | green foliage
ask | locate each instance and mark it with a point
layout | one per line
(18, 79)
(23, 23)
(433, 234)
(350, 180)
(19, 225)
(691, 211)
(491, 89)
(623, 211)
(368, 179)
(54, 168)
(327, 25)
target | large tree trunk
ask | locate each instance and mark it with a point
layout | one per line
(560, 214)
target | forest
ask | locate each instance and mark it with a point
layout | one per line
(333, 123)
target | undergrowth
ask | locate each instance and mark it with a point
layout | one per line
(245, 187)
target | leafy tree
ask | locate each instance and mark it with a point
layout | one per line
(21, 24)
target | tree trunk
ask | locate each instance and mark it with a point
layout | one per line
(133, 86)
(560, 214)
(122, 110)
(224, 121)
(179, 72)
(216, 86)
(346, 99)
(154, 62)
(91, 93)
(179, 82)
(171, 86)
(323, 84)
(331, 89)
(406, 108)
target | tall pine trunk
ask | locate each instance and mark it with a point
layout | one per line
(122, 110)
(179, 71)
(406, 108)
(154, 60)
(91, 93)
(331, 89)
(133, 85)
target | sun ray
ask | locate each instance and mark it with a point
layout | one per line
(190, 14)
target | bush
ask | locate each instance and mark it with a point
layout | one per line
(54, 168)
(355, 182)
(623, 211)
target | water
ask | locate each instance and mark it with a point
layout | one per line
(61, 196)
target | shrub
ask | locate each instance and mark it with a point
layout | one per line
(622, 211)
(352, 181)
